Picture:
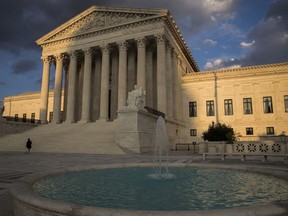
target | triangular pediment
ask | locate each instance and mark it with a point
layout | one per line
(99, 18)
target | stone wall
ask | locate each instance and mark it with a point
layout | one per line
(7, 127)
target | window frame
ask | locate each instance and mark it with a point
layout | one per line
(249, 131)
(193, 109)
(270, 131)
(247, 105)
(228, 106)
(267, 104)
(286, 103)
(210, 108)
(193, 132)
(33, 117)
(24, 117)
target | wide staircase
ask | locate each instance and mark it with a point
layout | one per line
(90, 138)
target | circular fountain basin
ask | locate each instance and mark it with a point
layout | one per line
(196, 190)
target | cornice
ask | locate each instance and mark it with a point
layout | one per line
(101, 9)
(239, 72)
(179, 38)
(102, 31)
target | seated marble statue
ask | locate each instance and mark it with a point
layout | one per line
(136, 98)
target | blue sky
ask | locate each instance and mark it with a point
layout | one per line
(219, 33)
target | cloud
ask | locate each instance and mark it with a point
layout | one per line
(247, 45)
(31, 19)
(219, 64)
(2, 83)
(209, 42)
(271, 35)
(24, 66)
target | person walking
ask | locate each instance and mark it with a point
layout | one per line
(28, 146)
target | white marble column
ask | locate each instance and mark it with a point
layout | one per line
(141, 62)
(45, 89)
(104, 99)
(122, 82)
(71, 96)
(161, 75)
(131, 69)
(169, 81)
(58, 88)
(86, 97)
(175, 84)
(97, 87)
(114, 84)
(149, 78)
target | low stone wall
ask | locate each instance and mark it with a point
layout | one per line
(251, 147)
(7, 127)
(260, 147)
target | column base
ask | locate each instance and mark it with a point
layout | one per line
(84, 121)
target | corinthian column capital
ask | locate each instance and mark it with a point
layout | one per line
(88, 52)
(106, 48)
(160, 38)
(122, 45)
(141, 42)
(59, 57)
(46, 59)
(73, 54)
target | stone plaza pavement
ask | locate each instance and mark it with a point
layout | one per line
(14, 165)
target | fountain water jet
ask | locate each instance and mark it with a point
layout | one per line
(161, 151)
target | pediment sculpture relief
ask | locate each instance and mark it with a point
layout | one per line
(98, 20)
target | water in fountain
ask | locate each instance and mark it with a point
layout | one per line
(161, 151)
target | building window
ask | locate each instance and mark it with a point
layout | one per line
(286, 103)
(193, 109)
(50, 116)
(228, 106)
(270, 130)
(24, 117)
(193, 132)
(267, 105)
(249, 131)
(247, 105)
(32, 117)
(16, 118)
(210, 108)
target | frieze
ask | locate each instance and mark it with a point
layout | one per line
(98, 20)
(148, 25)
(143, 28)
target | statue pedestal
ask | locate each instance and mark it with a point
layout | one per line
(136, 130)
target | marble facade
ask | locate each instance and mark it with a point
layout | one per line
(104, 52)
(101, 54)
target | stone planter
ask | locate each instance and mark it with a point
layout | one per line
(203, 147)
(216, 147)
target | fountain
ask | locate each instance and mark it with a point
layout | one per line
(131, 189)
(161, 152)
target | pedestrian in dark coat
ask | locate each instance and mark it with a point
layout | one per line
(28, 146)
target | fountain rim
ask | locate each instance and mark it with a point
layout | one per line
(26, 200)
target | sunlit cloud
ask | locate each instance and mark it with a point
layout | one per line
(247, 45)
(219, 64)
(209, 42)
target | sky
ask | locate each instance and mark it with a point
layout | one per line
(220, 33)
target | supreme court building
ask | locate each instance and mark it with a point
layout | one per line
(104, 53)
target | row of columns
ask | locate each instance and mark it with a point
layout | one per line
(167, 81)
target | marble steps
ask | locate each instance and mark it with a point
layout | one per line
(95, 138)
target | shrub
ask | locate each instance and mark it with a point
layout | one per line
(219, 132)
